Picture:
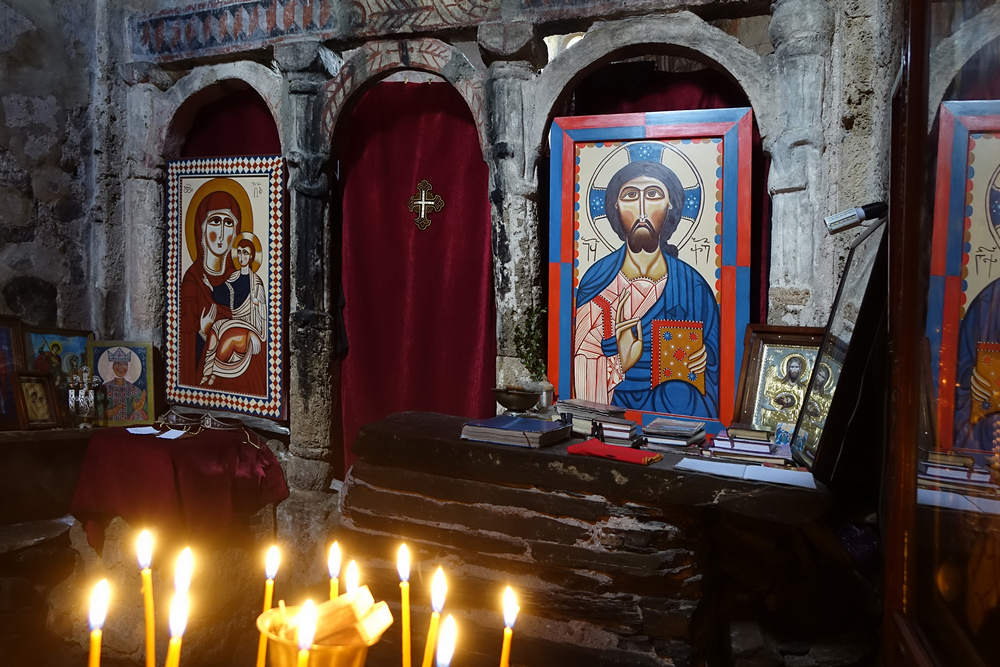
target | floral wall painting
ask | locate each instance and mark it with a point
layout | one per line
(650, 260)
(225, 295)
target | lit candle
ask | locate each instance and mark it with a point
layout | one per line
(351, 577)
(510, 610)
(178, 621)
(98, 611)
(446, 646)
(144, 552)
(333, 564)
(306, 631)
(438, 590)
(403, 566)
(182, 573)
(270, 571)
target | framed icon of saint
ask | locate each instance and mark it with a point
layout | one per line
(225, 295)
(649, 268)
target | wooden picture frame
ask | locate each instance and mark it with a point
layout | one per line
(36, 401)
(772, 387)
(706, 250)
(225, 324)
(964, 273)
(127, 389)
(58, 352)
(11, 362)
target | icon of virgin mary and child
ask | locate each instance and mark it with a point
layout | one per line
(223, 305)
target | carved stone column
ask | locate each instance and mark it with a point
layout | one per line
(801, 32)
(517, 263)
(311, 512)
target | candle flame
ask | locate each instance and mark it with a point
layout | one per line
(439, 588)
(510, 608)
(446, 642)
(99, 604)
(307, 625)
(352, 578)
(403, 563)
(178, 614)
(182, 575)
(271, 562)
(333, 561)
(144, 549)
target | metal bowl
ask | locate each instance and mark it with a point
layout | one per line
(516, 400)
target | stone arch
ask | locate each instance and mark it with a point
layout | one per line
(206, 84)
(951, 54)
(683, 30)
(375, 60)
(160, 121)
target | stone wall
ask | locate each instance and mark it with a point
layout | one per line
(47, 168)
(613, 563)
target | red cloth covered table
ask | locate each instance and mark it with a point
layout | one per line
(194, 484)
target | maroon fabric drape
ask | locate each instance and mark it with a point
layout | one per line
(639, 88)
(238, 124)
(419, 311)
(195, 485)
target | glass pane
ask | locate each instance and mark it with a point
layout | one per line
(958, 474)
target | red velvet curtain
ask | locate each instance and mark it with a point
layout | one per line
(238, 124)
(419, 310)
(638, 87)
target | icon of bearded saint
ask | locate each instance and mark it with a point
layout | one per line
(647, 324)
(223, 308)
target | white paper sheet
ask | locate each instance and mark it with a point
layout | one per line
(143, 430)
(753, 473)
(945, 500)
(171, 434)
(711, 467)
(801, 478)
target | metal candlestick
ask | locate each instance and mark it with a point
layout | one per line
(81, 395)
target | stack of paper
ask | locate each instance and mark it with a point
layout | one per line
(589, 418)
(664, 432)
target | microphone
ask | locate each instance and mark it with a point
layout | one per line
(853, 217)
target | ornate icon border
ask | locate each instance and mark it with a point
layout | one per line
(960, 124)
(731, 127)
(274, 404)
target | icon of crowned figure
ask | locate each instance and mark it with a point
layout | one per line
(125, 401)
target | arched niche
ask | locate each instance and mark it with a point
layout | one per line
(682, 33)
(376, 60)
(607, 47)
(356, 124)
(207, 85)
(954, 52)
(159, 124)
